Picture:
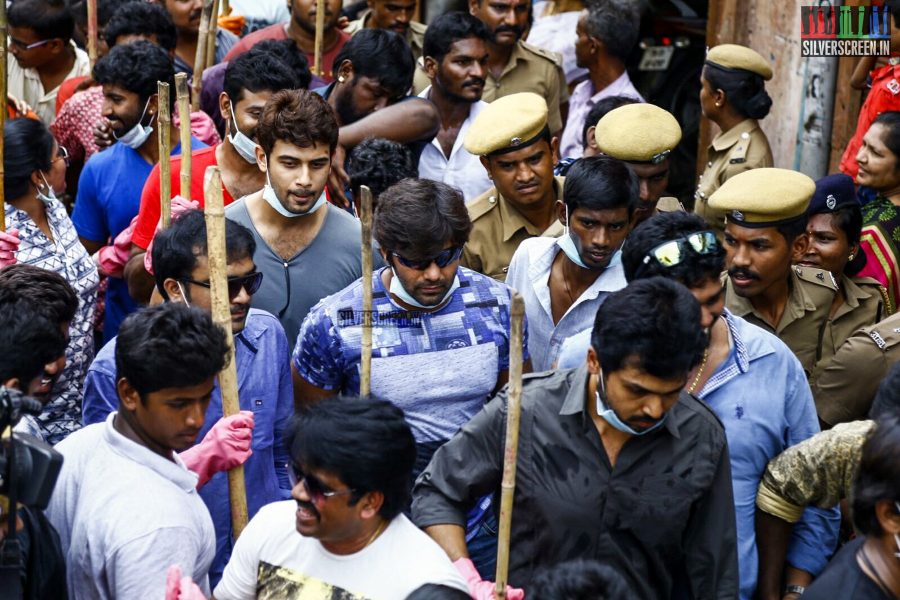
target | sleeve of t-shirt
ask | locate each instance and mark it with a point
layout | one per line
(88, 214)
(239, 579)
(138, 568)
(100, 395)
(148, 217)
(317, 355)
(506, 320)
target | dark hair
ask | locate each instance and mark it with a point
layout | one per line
(29, 146)
(257, 70)
(47, 291)
(299, 117)
(579, 579)
(894, 7)
(599, 110)
(169, 345)
(616, 23)
(379, 164)
(745, 91)
(435, 591)
(793, 229)
(449, 28)
(653, 325)
(49, 19)
(366, 442)
(138, 68)
(878, 475)
(887, 400)
(287, 51)
(176, 249)
(29, 340)
(849, 220)
(693, 271)
(601, 183)
(890, 119)
(381, 55)
(105, 10)
(416, 217)
(144, 19)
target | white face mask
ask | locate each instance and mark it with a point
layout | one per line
(137, 135)
(398, 290)
(272, 200)
(183, 295)
(567, 245)
(244, 145)
(50, 196)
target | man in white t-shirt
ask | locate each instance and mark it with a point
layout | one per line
(343, 535)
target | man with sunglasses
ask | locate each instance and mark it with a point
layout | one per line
(261, 348)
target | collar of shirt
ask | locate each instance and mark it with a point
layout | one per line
(748, 347)
(474, 110)
(585, 92)
(254, 329)
(175, 471)
(513, 220)
(798, 303)
(854, 295)
(515, 56)
(729, 138)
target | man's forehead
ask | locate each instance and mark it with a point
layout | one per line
(648, 169)
(283, 149)
(750, 234)
(247, 99)
(470, 46)
(601, 214)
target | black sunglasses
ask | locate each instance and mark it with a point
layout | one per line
(318, 491)
(442, 259)
(249, 282)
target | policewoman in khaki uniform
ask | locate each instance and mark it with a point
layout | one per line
(733, 96)
(764, 229)
(513, 140)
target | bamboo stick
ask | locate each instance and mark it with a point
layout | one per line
(214, 213)
(365, 216)
(4, 29)
(211, 38)
(92, 32)
(184, 124)
(514, 410)
(165, 152)
(320, 37)
(226, 7)
(200, 56)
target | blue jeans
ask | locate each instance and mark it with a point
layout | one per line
(481, 539)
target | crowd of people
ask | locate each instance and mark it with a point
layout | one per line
(711, 401)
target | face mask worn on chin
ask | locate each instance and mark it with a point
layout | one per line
(272, 200)
(398, 290)
(610, 416)
(567, 245)
(137, 135)
(897, 537)
(244, 145)
(50, 196)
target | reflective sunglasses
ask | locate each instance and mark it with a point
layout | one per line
(318, 491)
(249, 282)
(442, 259)
(674, 252)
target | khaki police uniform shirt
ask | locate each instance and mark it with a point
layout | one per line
(845, 389)
(415, 35)
(741, 148)
(530, 69)
(498, 229)
(805, 315)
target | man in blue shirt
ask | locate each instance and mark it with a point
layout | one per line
(109, 190)
(261, 350)
(752, 381)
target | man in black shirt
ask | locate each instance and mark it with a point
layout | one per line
(616, 462)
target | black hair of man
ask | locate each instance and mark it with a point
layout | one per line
(616, 23)
(601, 183)
(887, 400)
(365, 442)
(137, 68)
(177, 248)
(793, 229)
(28, 340)
(105, 11)
(47, 291)
(417, 217)
(579, 579)
(49, 19)
(652, 325)
(169, 345)
(381, 55)
(694, 271)
(301, 118)
(290, 54)
(878, 475)
(258, 71)
(28, 147)
(599, 110)
(449, 28)
(379, 164)
(436, 591)
(143, 19)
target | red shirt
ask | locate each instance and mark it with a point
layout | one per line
(148, 217)
(279, 32)
(884, 96)
(67, 89)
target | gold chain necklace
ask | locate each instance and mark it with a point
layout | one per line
(699, 371)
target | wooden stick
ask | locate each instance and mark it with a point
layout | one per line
(211, 38)
(92, 32)
(200, 56)
(320, 37)
(183, 95)
(226, 7)
(4, 28)
(214, 213)
(365, 216)
(513, 411)
(165, 153)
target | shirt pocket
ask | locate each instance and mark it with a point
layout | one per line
(263, 407)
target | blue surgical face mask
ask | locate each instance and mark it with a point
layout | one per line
(610, 416)
(398, 290)
(50, 196)
(244, 145)
(137, 135)
(567, 245)
(272, 200)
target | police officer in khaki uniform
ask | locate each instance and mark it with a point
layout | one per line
(644, 136)
(765, 227)
(513, 140)
(733, 96)
(395, 15)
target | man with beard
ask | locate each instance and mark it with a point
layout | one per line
(302, 29)
(765, 227)
(395, 15)
(455, 57)
(186, 17)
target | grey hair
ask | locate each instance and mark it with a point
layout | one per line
(616, 23)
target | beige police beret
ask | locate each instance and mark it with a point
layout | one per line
(507, 124)
(733, 56)
(638, 133)
(764, 197)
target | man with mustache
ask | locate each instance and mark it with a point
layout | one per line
(765, 227)
(264, 388)
(186, 17)
(455, 56)
(395, 15)
(513, 141)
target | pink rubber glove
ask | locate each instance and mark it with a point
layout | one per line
(111, 259)
(224, 447)
(181, 588)
(480, 589)
(9, 245)
(180, 205)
